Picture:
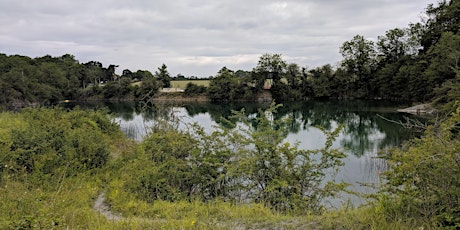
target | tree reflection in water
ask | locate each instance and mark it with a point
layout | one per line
(367, 127)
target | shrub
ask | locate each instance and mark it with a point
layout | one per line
(56, 142)
(194, 89)
(424, 177)
(250, 164)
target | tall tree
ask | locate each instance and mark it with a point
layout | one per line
(271, 66)
(393, 45)
(359, 60)
(445, 17)
(225, 86)
(127, 73)
(445, 60)
(110, 73)
(163, 75)
(322, 79)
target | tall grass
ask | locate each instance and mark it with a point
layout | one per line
(66, 201)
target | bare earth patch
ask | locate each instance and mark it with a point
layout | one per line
(104, 209)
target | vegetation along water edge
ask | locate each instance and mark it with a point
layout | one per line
(66, 168)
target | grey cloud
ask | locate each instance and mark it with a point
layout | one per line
(196, 37)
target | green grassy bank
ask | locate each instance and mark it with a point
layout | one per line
(55, 163)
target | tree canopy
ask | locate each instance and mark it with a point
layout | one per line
(417, 63)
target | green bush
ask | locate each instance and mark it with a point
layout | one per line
(249, 164)
(423, 176)
(193, 89)
(170, 175)
(56, 142)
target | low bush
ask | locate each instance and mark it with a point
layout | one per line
(423, 178)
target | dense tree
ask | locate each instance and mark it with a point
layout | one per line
(444, 67)
(445, 58)
(194, 89)
(322, 80)
(443, 17)
(142, 75)
(270, 66)
(359, 60)
(110, 73)
(95, 72)
(121, 89)
(47, 80)
(291, 88)
(416, 63)
(148, 88)
(393, 45)
(225, 86)
(127, 73)
(163, 76)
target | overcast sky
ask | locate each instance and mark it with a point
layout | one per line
(196, 37)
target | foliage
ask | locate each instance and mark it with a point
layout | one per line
(148, 89)
(163, 76)
(443, 17)
(62, 195)
(271, 66)
(416, 63)
(225, 86)
(170, 177)
(118, 89)
(280, 175)
(55, 143)
(237, 165)
(193, 89)
(139, 75)
(359, 61)
(444, 67)
(422, 176)
(49, 161)
(182, 84)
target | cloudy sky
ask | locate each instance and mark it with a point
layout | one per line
(196, 37)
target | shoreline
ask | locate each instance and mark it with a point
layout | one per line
(422, 109)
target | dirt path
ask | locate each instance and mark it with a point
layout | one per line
(104, 209)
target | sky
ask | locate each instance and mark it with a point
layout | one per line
(197, 37)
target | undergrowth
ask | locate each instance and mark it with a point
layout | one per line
(62, 197)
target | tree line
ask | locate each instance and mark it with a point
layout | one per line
(417, 63)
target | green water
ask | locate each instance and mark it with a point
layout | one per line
(370, 127)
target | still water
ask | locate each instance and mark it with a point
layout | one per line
(370, 127)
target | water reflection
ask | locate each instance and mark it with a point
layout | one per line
(367, 128)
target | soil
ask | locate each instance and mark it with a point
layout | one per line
(104, 209)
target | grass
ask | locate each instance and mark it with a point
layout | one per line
(71, 208)
(66, 202)
(183, 83)
(7, 122)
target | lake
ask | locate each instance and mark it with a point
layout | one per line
(369, 127)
